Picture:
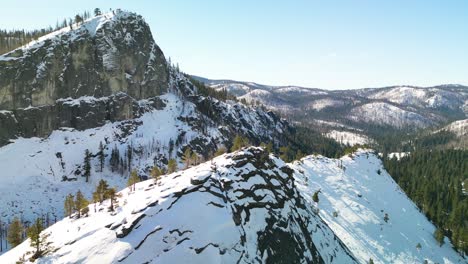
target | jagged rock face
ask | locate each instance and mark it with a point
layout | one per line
(108, 55)
(240, 208)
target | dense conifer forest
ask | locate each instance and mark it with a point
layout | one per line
(437, 181)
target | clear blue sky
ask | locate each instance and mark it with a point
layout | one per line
(327, 44)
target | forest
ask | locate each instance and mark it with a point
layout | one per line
(436, 180)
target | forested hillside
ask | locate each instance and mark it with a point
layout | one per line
(437, 182)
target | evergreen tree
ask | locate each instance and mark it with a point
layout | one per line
(101, 156)
(171, 166)
(80, 203)
(220, 151)
(69, 205)
(87, 165)
(239, 142)
(78, 19)
(38, 241)
(187, 157)
(97, 12)
(15, 231)
(439, 236)
(156, 173)
(371, 261)
(132, 180)
(129, 156)
(112, 194)
(315, 197)
(268, 147)
(100, 194)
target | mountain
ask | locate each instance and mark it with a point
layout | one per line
(396, 107)
(105, 81)
(80, 77)
(248, 207)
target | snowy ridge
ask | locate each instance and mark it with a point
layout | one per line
(355, 194)
(387, 114)
(90, 26)
(230, 210)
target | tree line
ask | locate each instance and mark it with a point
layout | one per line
(15, 38)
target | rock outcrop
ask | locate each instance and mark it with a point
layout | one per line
(80, 77)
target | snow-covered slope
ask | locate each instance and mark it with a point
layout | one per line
(50, 168)
(238, 208)
(460, 128)
(348, 138)
(387, 114)
(251, 207)
(355, 195)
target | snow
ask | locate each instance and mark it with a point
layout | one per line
(460, 127)
(176, 221)
(361, 197)
(32, 164)
(348, 138)
(90, 26)
(387, 114)
(321, 104)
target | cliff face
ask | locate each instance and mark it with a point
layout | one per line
(106, 64)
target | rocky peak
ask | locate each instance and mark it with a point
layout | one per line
(110, 55)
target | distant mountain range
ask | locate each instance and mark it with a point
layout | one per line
(365, 112)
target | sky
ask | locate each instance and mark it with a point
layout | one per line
(330, 44)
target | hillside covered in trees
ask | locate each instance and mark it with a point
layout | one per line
(437, 182)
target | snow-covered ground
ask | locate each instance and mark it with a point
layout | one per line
(460, 127)
(190, 216)
(361, 193)
(387, 114)
(211, 213)
(33, 168)
(348, 138)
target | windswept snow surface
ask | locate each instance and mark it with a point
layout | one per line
(223, 211)
(361, 197)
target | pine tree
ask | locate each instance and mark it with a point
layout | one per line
(194, 157)
(78, 19)
(132, 180)
(14, 232)
(87, 165)
(156, 173)
(69, 205)
(268, 147)
(112, 194)
(101, 191)
(101, 155)
(239, 142)
(97, 12)
(171, 166)
(80, 203)
(187, 158)
(439, 236)
(371, 261)
(220, 151)
(315, 197)
(38, 241)
(129, 157)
